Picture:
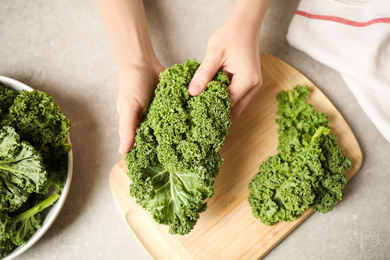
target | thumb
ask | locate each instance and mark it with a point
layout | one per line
(128, 121)
(203, 75)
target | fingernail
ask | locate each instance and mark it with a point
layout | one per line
(194, 89)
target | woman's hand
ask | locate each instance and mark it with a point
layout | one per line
(137, 84)
(127, 31)
(234, 48)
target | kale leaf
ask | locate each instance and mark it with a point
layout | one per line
(308, 171)
(176, 160)
(39, 121)
(7, 97)
(33, 157)
(21, 170)
(17, 230)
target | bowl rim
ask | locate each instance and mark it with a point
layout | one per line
(53, 211)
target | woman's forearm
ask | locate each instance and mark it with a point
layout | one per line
(127, 31)
(249, 13)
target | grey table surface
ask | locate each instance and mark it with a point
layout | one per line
(60, 47)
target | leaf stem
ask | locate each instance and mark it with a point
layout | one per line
(290, 96)
(317, 134)
(38, 208)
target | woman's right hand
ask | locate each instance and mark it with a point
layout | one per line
(128, 34)
(137, 84)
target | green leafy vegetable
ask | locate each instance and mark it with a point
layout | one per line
(308, 171)
(7, 97)
(17, 230)
(21, 170)
(33, 158)
(175, 162)
(39, 121)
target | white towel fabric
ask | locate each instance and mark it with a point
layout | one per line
(352, 37)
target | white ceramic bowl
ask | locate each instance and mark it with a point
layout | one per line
(52, 212)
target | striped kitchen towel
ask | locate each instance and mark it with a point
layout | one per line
(352, 37)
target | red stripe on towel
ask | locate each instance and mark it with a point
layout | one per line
(343, 20)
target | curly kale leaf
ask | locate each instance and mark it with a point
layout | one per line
(309, 170)
(39, 121)
(175, 162)
(17, 230)
(7, 97)
(335, 165)
(283, 189)
(33, 157)
(21, 170)
(334, 162)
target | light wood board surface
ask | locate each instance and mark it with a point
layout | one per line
(227, 229)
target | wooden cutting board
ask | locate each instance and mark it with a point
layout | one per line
(227, 229)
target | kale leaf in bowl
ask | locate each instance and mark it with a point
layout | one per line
(35, 165)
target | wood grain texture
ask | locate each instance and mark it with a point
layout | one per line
(227, 229)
